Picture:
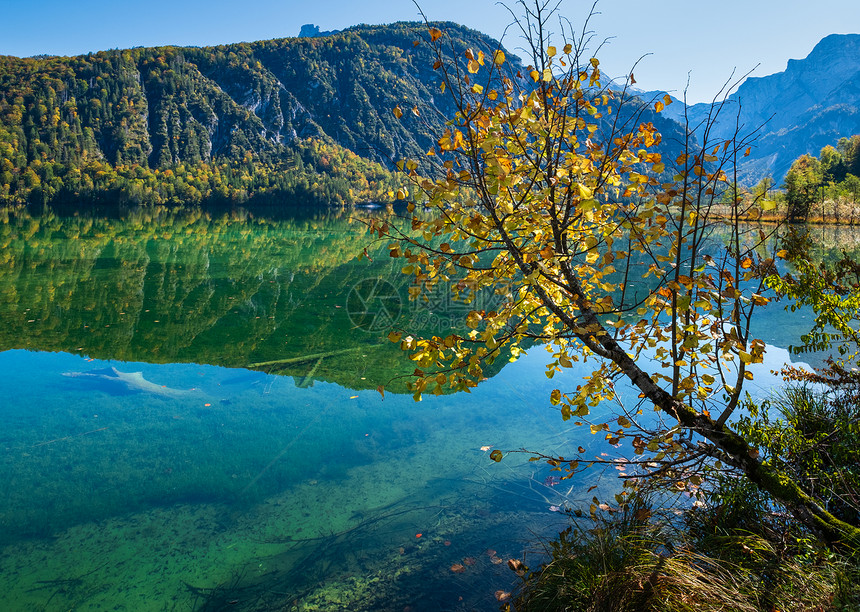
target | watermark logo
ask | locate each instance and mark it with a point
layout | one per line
(374, 305)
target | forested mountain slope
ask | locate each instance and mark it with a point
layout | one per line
(309, 117)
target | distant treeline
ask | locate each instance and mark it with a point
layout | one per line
(832, 176)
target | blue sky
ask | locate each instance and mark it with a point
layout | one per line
(706, 40)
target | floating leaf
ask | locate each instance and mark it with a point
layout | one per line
(496, 455)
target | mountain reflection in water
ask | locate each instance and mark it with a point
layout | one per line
(217, 439)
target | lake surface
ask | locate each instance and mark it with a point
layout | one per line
(190, 421)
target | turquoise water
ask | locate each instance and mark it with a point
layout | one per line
(126, 500)
(145, 469)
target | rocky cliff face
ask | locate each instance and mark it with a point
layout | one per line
(814, 102)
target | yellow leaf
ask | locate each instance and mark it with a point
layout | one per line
(595, 62)
(496, 455)
(477, 89)
(747, 152)
(473, 319)
(550, 51)
(547, 75)
(568, 48)
(473, 66)
(535, 75)
(658, 106)
(555, 397)
(398, 112)
(435, 34)
(667, 99)
(499, 57)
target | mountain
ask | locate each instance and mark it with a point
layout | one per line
(233, 120)
(310, 30)
(812, 103)
(309, 120)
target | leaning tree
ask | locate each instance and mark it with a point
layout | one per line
(608, 245)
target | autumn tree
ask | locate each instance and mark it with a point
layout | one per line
(833, 168)
(801, 186)
(555, 191)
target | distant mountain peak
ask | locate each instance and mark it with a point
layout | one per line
(310, 30)
(812, 103)
(846, 45)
